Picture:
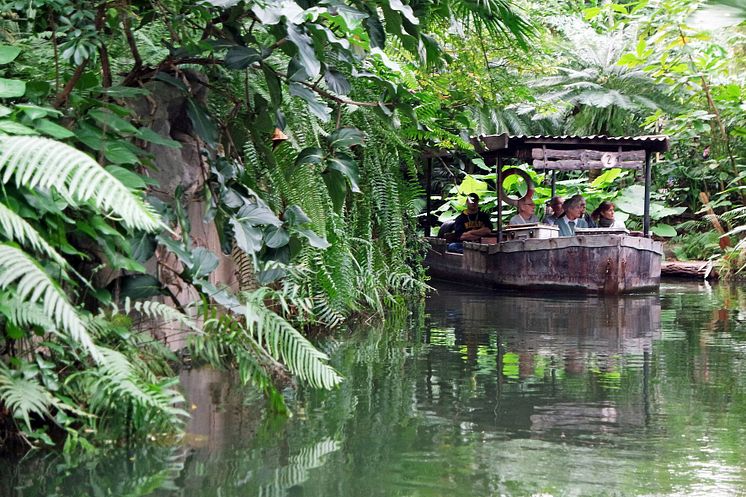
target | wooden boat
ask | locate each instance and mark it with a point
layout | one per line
(599, 261)
(603, 263)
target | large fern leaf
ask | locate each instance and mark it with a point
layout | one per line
(17, 229)
(34, 285)
(42, 163)
(283, 342)
(25, 396)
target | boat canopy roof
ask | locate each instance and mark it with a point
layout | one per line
(568, 152)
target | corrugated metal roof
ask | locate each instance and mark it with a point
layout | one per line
(659, 138)
(512, 145)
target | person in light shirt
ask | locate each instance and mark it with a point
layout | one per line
(526, 208)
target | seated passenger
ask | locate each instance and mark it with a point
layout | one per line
(526, 208)
(556, 205)
(470, 225)
(572, 218)
(604, 216)
(585, 215)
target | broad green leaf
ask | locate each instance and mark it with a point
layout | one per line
(151, 136)
(310, 155)
(294, 216)
(270, 13)
(317, 108)
(4, 111)
(125, 91)
(591, 12)
(664, 230)
(36, 112)
(139, 286)
(10, 88)
(314, 239)
(110, 120)
(632, 200)
(54, 130)
(8, 54)
(248, 238)
(276, 237)
(119, 153)
(131, 180)
(306, 51)
(346, 166)
(241, 57)
(376, 32)
(258, 214)
(607, 178)
(337, 82)
(14, 128)
(142, 246)
(336, 184)
(346, 137)
(405, 10)
(659, 211)
(202, 122)
(204, 262)
(274, 85)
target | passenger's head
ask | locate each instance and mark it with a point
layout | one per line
(604, 210)
(574, 207)
(472, 202)
(556, 206)
(526, 207)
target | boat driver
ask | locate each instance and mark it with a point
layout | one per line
(471, 225)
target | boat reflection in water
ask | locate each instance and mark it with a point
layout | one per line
(551, 365)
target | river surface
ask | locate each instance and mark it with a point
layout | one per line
(476, 394)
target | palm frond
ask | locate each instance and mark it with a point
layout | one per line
(42, 163)
(34, 285)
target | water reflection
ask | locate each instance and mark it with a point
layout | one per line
(476, 395)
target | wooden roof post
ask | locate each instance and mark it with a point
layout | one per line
(554, 182)
(499, 171)
(428, 192)
(646, 216)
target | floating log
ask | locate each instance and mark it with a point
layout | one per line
(687, 269)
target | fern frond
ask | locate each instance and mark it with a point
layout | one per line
(34, 285)
(19, 230)
(285, 343)
(117, 380)
(155, 310)
(26, 396)
(24, 313)
(42, 163)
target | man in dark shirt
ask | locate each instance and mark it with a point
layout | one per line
(470, 225)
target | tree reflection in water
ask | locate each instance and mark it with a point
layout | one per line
(477, 394)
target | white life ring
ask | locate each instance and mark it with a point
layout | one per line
(529, 184)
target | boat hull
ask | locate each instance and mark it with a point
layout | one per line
(603, 264)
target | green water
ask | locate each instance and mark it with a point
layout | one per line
(476, 395)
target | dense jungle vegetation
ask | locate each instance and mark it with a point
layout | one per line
(190, 180)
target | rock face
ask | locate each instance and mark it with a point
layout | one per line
(184, 169)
